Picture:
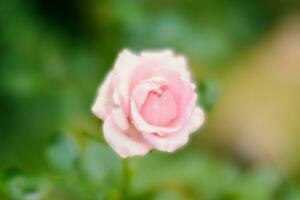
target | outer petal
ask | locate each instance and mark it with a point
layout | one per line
(157, 55)
(180, 64)
(103, 104)
(126, 60)
(169, 142)
(196, 120)
(172, 141)
(123, 70)
(168, 60)
(120, 119)
(126, 144)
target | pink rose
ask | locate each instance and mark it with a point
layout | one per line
(148, 101)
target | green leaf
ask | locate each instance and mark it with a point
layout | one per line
(63, 153)
(208, 92)
(290, 192)
(23, 187)
(258, 184)
(169, 195)
(100, 164)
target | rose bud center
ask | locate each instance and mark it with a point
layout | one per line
(159, 107)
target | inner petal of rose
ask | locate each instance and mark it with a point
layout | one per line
(150, 76)
(159, 108)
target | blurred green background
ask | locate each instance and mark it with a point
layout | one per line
(244, 55)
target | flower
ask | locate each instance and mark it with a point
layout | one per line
(148, 101)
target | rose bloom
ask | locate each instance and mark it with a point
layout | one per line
(148, 101)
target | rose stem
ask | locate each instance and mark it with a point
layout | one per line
(126, 179)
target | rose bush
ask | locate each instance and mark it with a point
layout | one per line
(148, 101)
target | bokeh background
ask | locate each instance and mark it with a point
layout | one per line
(244, 55)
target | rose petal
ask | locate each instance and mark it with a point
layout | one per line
(169, 142)
(144, 126)
(159, 109)
(120, 119)
(182, 91)
(126, 144)
(123, 70)
(126, 60)
(141, 91)
(179, 63)
(157, 55)
(104, 102)
(172, 141)
(184, 95)
(168, 60)
(196, 120)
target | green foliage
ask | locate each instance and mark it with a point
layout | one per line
(199, 176)
(63, 153)
(20, 186)
(100, 164)
(54, 54)
(208, 92)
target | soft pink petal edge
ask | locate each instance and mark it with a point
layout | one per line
(123, 68)
(124, 144)
(173, 141)
(174, 62)
(103, 104)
